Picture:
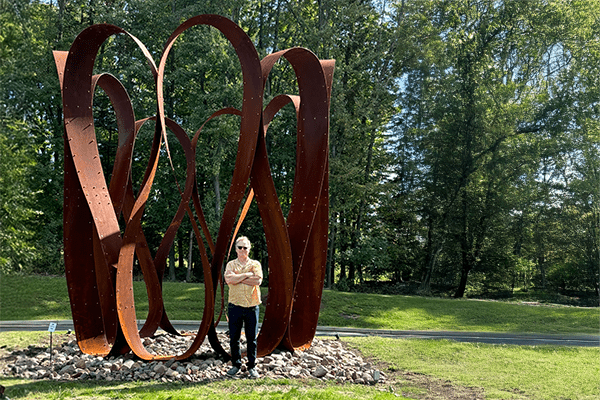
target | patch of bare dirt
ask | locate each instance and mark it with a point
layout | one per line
(424, 387)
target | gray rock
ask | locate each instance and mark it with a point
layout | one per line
(67, 370)
(319, 372)
(160, 369)
(376, 376)
(169, 363)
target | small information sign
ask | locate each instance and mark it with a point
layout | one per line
(52, 327)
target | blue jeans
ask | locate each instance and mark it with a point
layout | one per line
(248, 317)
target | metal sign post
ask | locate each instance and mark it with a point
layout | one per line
(51, 329)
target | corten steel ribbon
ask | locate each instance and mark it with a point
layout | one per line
(99, 260)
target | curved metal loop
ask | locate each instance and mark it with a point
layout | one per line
(307, 222)
(99, 261)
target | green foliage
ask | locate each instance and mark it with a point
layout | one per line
(463, 135)
(482, 136)
(18, 211)
(31, 140)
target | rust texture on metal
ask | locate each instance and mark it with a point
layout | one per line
(103, 233)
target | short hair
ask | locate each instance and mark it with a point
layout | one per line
(244, 240)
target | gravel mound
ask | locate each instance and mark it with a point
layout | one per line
(324, 360)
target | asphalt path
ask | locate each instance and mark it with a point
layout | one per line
(521, 339)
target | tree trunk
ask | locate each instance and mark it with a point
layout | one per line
(217, 195)
(343, 241)
(91, 13)
(172, 264)
(434, 246)
(351, 273)
(330, 258)
(217, 184)
(61, 15)
(342, 271)
(188, 275)
(542, 268)
(462, 286)
(473, 238)
(465, 251)
(432, 256)
(180, 247)
(356, 233)
(261, 28)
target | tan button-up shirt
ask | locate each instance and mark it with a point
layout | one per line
(241, 294)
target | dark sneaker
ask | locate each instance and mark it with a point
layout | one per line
(234, 370)
(253, 373)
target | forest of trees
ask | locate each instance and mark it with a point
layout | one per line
(464, 134)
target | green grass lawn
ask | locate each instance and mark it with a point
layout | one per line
(231, 389)
(420, 313)
(46, 298)
(506, 372)
(499, 371)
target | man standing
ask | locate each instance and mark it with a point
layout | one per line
(243, 276)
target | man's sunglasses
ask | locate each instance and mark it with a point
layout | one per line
(242, 247)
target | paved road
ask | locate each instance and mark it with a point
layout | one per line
(523, 339)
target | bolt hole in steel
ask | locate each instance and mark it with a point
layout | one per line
(101, 295)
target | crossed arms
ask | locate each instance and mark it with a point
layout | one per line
(247, 278)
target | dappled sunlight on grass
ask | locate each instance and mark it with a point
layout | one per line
(187, 297)
(35, 297)
(406, 319)
(422, 313)
(50, 304)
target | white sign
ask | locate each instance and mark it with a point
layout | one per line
(52, 327)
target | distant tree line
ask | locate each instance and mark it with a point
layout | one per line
(464, 137)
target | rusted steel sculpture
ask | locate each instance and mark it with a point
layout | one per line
(99, 259)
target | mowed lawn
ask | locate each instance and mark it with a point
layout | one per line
(418, 369)
(46, 298)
